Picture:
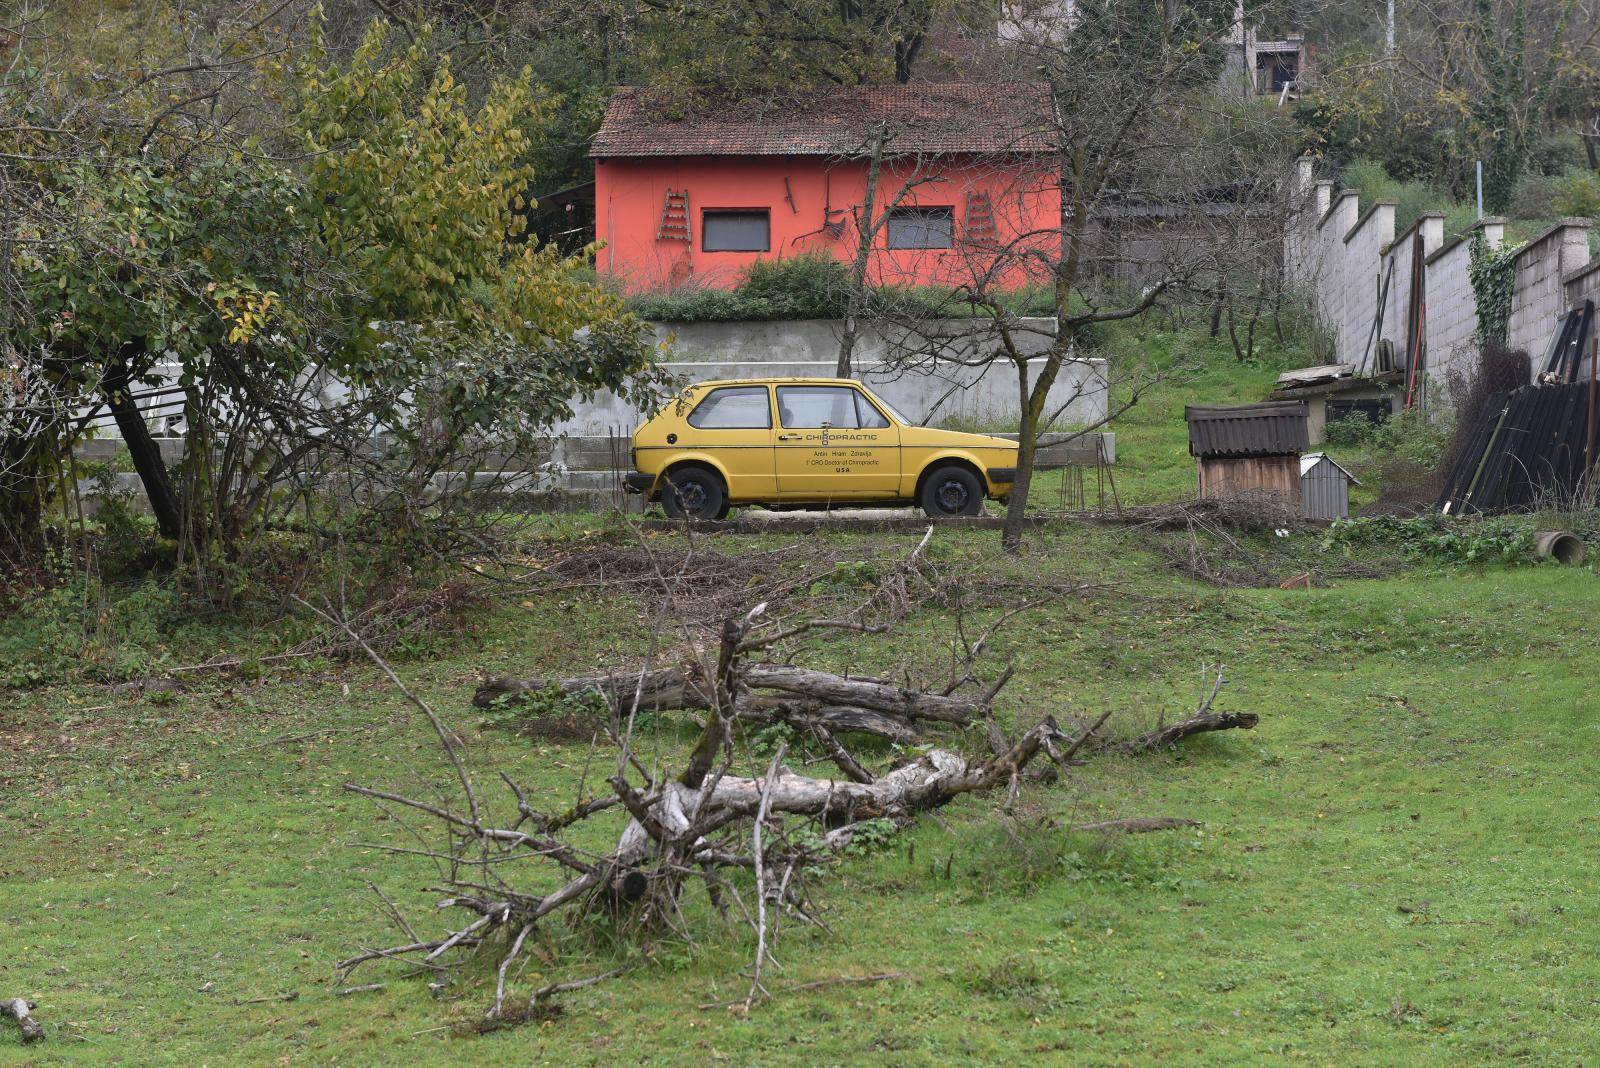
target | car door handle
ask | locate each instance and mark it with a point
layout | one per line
(788, 437)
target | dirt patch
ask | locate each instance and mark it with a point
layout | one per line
(571, 727)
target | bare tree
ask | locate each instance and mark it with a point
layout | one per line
(1168, 191)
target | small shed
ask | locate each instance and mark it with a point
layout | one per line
(1334, 391)
(1249, 450)
(1324, 487)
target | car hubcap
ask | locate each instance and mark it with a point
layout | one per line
(692, 497)
(952, 496)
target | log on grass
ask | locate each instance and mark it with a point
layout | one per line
(802, 696)
(21, 1010)
(660, 690)
(934, 778)
(863, 693)
(1196, 724)
(802, 714)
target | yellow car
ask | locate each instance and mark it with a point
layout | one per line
(808, 443)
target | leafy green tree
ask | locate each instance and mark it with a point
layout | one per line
(368, 231)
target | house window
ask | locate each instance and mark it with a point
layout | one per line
(922, 227)
(736, 231)
(733, 408)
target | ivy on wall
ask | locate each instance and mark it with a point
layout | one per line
(1493, 272)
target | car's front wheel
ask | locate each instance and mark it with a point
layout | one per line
(951, 491)
(694, 493)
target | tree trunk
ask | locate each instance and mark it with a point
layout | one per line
(1034, 399)
(142, 447)
(1022, 482)
(866, 228)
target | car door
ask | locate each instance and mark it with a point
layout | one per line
(834, 444)
(733, 425)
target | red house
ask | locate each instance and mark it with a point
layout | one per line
(969, 178)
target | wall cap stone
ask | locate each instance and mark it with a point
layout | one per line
(1338, 200)
(1578, 272)
(1482, 224)
(1381, 202)
(1575, 222)
(1422, 218)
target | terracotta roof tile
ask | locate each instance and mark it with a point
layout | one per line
(922, 118)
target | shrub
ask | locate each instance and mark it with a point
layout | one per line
(816, 286)
(812, 286)
(79, 629)
(1409, 436)
(1577, 193)
(1415, 196)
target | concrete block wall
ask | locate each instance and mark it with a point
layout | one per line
(1364, 244)
(1330, 274)
(1540, 297)
(1452, 312)
(1397, 267)
(1339, 258)
(1581, 284)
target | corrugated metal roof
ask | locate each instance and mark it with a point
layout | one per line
(1527, 452)
(1312, 459)
(936, 118)
(1271, 428)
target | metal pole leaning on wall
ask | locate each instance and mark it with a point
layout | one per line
(1588, 449)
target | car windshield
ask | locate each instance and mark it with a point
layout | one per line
(894, 413)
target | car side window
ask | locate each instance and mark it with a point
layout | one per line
(811, 407)
(733, 408)
(867, 416)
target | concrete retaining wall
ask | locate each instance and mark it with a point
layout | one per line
(928, 383)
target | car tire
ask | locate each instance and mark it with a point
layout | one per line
(694, 493)
(951, 491)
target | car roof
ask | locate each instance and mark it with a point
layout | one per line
(781, 381)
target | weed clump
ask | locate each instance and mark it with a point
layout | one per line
(1500, 539)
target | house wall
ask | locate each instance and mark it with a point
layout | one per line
(801, 193)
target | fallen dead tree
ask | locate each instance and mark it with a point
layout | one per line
(803, 697)
(752, 840)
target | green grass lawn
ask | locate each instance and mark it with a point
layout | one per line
(1394, 867)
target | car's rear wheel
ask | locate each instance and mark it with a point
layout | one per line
(694, 493)
(951, 491)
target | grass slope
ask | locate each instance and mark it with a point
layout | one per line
(1391, 866)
